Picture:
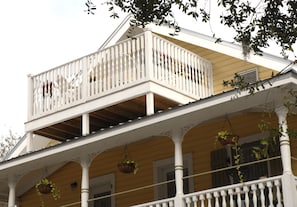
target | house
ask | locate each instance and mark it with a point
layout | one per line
(159, 100)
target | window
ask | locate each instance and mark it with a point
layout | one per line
(164, 171)
(100, 187)
(224, 157)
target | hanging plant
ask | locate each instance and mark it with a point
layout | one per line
(128, 166)
(226, 137)
(46, 186)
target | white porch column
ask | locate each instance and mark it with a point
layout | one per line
(284, 139)
(29, 138)
(85, 164)
(177, 138)
(85, 124)
(150, 107)
(12, 188)
(288, 181)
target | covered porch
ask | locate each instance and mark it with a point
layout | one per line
(180, 128)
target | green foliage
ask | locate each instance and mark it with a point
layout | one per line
(55, 191)
(241, 85)
(256, 23)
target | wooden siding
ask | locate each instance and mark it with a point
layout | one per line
(224, 66)
(199, 141)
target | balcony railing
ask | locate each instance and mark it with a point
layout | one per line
(263, 192)
(145, 57)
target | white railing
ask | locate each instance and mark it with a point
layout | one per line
(169, 202)
(181, 69)
(263, 192)
(145, 57)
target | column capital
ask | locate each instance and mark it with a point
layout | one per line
(281, 111)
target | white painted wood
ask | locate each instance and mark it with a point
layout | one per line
(282, 112)
(150, 106)
(85, 163)
(12, 191)
(209, 198)
(254, 194)
(85, 124)
(270, 195)
(223, 195)
(278, 193)
(216, 199)
(178, 161)
(262, 196)
(230, 192)
(202, 200)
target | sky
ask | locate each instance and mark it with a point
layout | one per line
(37, 35)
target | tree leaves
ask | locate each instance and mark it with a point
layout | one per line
(256, 23)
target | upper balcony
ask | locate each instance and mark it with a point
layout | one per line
(128, 70)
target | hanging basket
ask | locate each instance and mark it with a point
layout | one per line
(127, 167)
(44, 188)
(228, 139)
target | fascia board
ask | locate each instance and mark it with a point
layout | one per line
(231, 49)
(117, 34)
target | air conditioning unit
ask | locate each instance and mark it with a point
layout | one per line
(249, 76)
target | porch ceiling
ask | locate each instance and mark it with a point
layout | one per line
(104, 118)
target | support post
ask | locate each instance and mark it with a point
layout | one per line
(288, 180)
(30, 97)
(150, 108)
(85, 83)
(29, 142)
(85, 124)
(85, 164)
(148, 54)
(12, 189)
(177, 138)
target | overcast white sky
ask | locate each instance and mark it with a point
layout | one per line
(37, 35)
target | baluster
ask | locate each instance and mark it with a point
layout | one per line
(116, 65)
(188, 201)
(208, 196)
(216, 195)
(223, 194)
(96, 67)
(254, 192)
(129, 66)
(158, 205)
(125, 62)
(237, 190)
(165, 204)
(202, 199)
(195, 200)
(171, 204)
(278, 193)
(262, 196)
(230, 192)
(137, 56)
(246, 195)
(270, 195)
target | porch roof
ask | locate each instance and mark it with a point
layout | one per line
(183, 116)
